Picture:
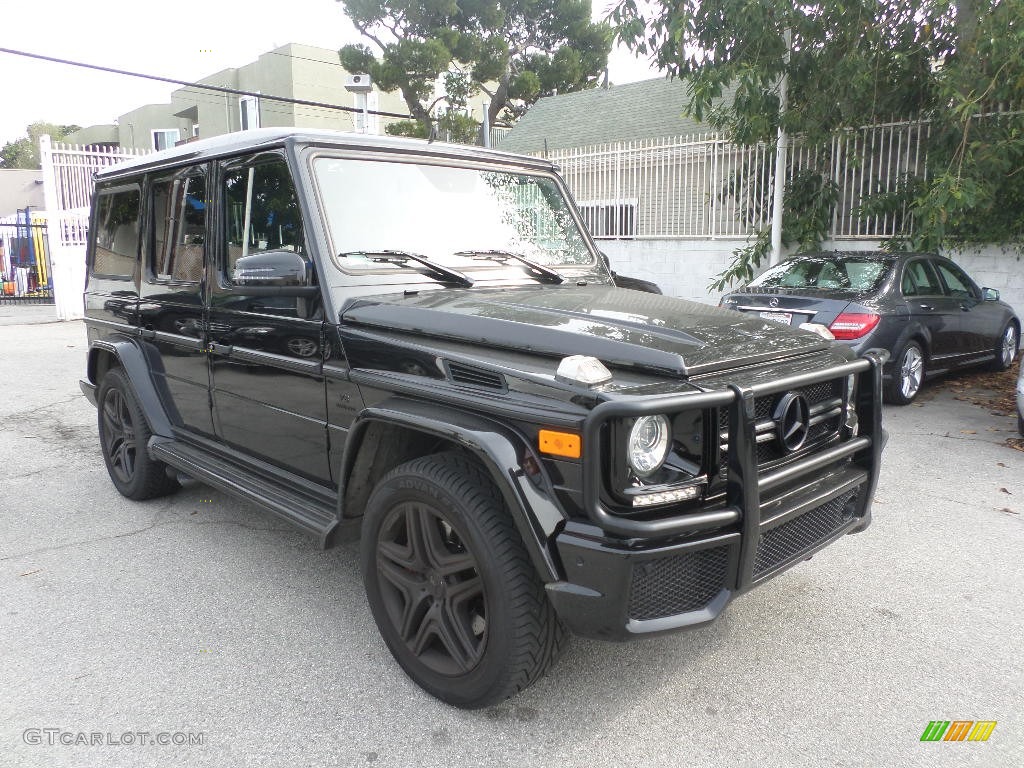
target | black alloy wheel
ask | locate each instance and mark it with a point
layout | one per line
(431, 589)
(124, 435)
(451, 588)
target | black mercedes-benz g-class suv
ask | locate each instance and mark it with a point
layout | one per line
(419, 344)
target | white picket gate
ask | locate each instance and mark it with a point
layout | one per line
(68, 172)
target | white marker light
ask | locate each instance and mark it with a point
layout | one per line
(582, 369)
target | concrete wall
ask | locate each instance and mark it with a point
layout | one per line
(683, 268)
(20, 188)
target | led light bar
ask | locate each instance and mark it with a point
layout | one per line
(667, 497)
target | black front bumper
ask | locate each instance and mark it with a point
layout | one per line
(628, 578)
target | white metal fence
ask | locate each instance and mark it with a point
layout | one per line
(702, 186)
(68, 172)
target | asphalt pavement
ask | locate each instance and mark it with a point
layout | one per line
(199, 621)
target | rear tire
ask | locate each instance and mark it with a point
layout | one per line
(454, 594)
(907, 375)
(1006, 347)
(124, 436)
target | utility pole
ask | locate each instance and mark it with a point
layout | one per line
(781, 150)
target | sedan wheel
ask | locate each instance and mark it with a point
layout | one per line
(907, 375)
(1006, 349)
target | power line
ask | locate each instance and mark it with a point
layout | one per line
(203, 86)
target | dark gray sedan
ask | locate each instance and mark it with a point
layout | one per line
(921, 307)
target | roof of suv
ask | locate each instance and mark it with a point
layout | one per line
(258, 138)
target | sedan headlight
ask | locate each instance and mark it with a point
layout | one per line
(649, 443)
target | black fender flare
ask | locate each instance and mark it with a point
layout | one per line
(132, 360)
(502, 452)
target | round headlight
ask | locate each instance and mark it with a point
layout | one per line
(649, 441)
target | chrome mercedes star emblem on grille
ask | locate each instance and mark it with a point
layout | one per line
(773, 302)
(792, 421)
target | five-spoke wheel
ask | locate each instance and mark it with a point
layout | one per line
(453, 592)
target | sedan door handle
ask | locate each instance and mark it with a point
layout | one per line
(926, 307)
(218, 349)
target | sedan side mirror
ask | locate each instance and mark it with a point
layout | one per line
(990, 294)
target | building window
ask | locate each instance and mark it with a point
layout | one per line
(195, 130)
(610, 218)
(363, 122)
(165, 138)
(249, 110)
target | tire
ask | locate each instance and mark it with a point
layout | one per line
(454, 594)
(1006, 347)
(907, 375)
(124, 435)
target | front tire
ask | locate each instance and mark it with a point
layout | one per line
(907, 375)
(1006, 347)
(124, 436)
(454, 594)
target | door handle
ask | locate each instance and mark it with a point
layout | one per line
(926, 307)
(147, 333)
(964, 308)
(218, 349)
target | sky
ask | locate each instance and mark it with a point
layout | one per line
(189, 40)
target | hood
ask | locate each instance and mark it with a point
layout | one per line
(622, 328)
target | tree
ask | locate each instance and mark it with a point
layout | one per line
(514, 51)
(24, 152)
(957, 65)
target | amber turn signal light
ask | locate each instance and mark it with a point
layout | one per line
(560, 444)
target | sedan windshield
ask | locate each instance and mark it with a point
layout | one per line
(846, 273)
(449, 215)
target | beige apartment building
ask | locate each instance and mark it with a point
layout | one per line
(293, 71)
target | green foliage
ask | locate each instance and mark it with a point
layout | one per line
(854, 63)
(513, 51)
(24, 152)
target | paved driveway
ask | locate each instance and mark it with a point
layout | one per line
(198, 615)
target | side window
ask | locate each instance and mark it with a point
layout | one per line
(261, 213)
(179, 228)
(117, 233)
(958, 283)
(920, 280)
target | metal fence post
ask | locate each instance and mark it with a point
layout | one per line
(67, 305)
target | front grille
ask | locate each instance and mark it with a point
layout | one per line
(782, 543)
(677, 584)
(825, 401)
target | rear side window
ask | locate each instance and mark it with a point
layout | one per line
(179, 228)
(919, 280)
(117, 233)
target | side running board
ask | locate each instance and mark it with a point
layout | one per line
(314, 515)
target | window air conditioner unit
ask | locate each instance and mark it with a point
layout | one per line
(358, 83)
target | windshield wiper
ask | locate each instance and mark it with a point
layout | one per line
(542, 273)
(439, 272)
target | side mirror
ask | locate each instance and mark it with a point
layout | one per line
(272, 269)
(990, 294)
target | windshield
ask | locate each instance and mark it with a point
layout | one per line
(847, 273)
(448, 215)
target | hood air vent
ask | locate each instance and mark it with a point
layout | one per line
(475, 377)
